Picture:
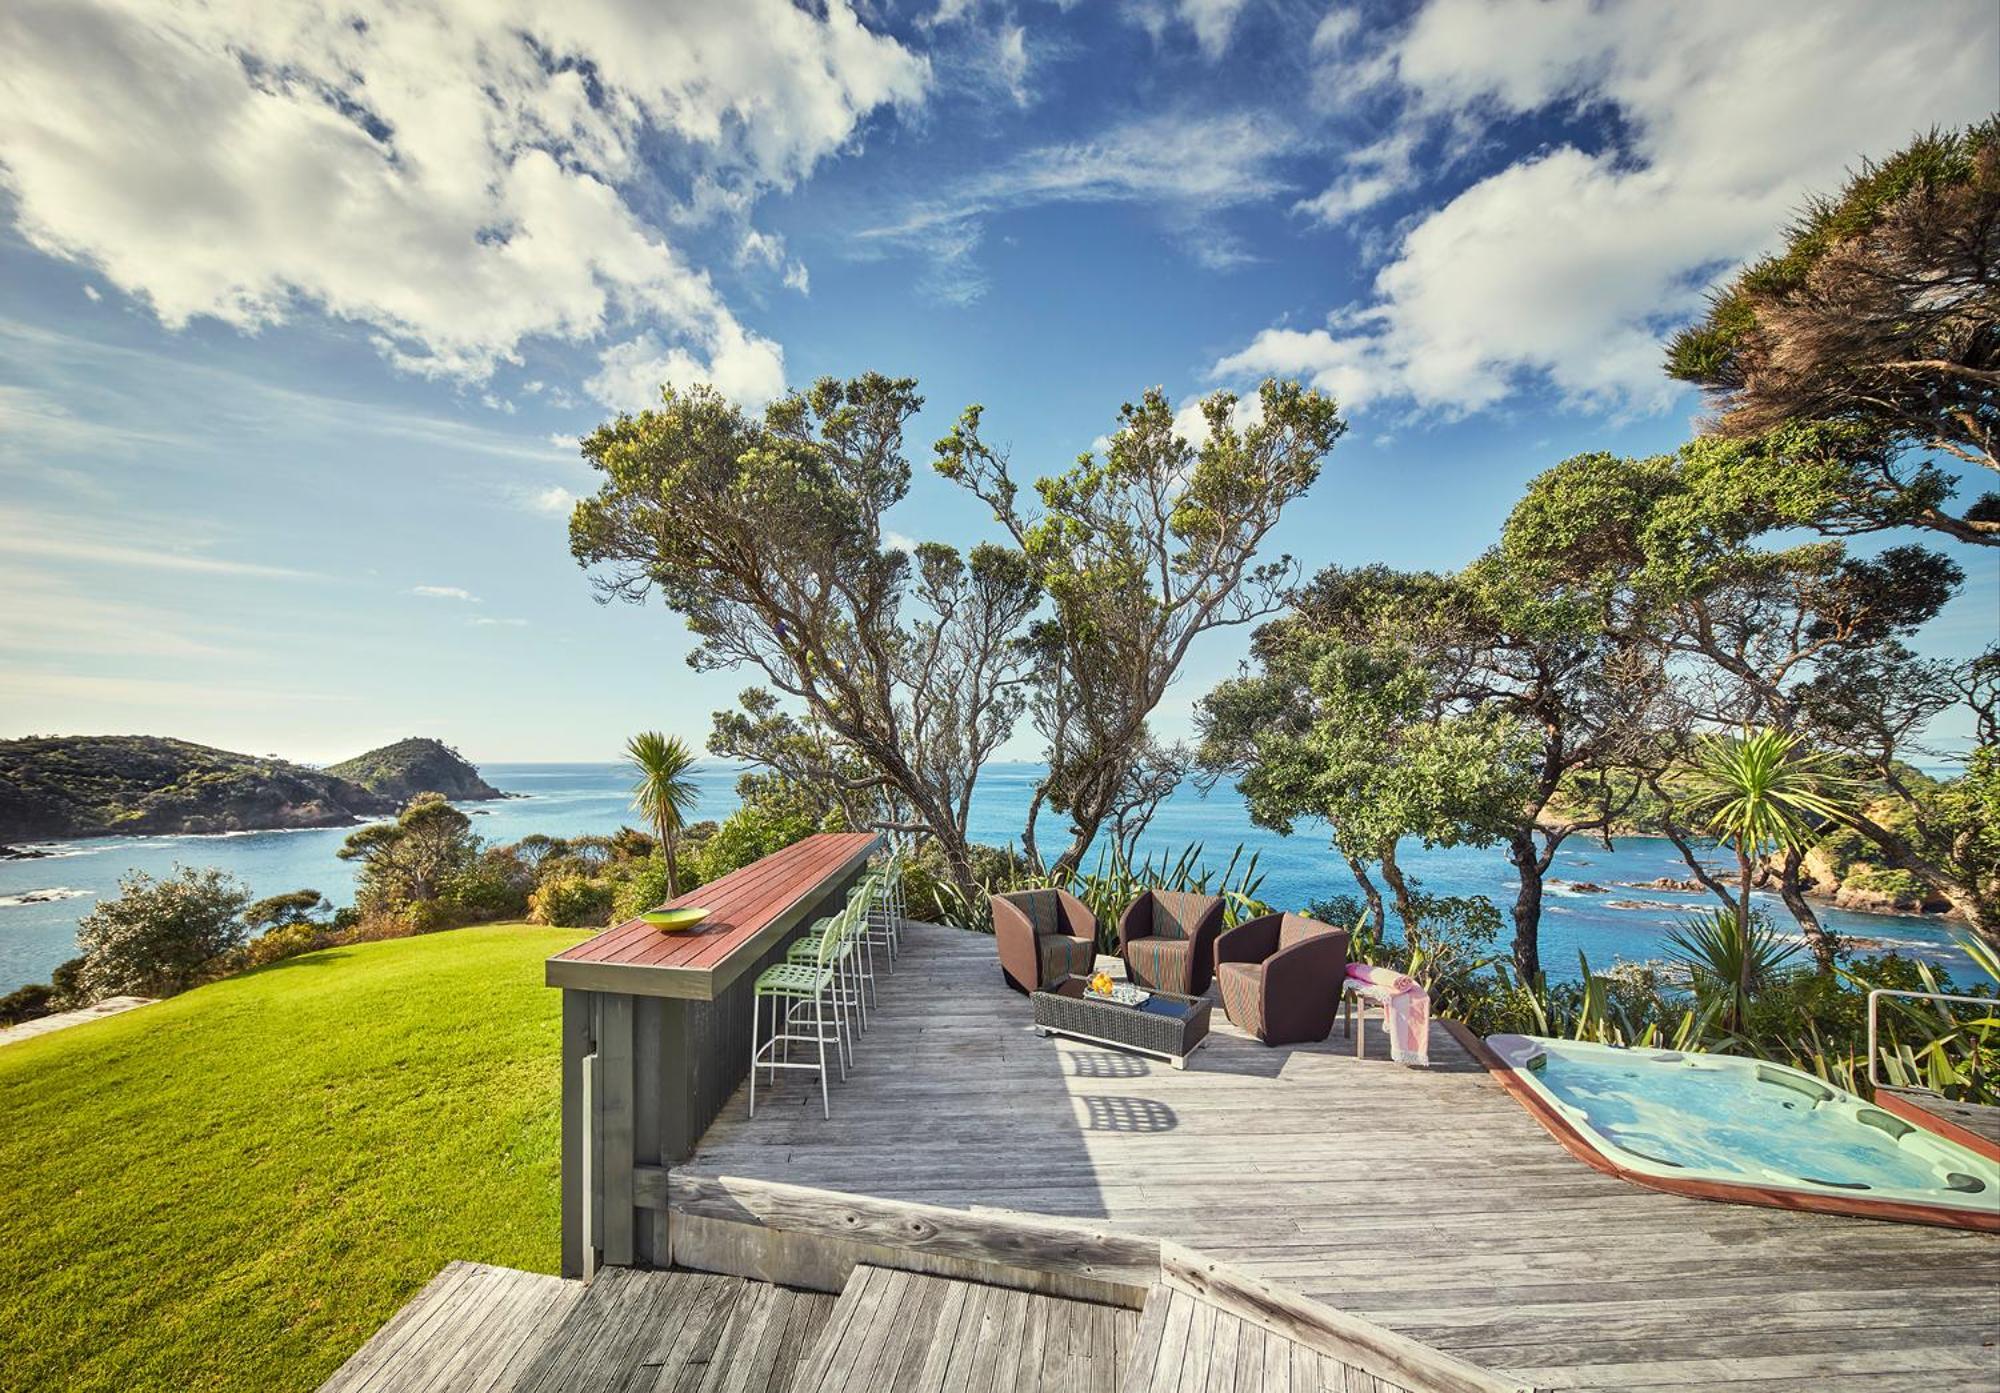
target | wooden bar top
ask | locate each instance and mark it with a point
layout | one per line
(749, 909)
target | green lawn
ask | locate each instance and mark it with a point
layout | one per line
(232, 1189)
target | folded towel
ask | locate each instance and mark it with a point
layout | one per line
(1408, 1009)
(1386, 978)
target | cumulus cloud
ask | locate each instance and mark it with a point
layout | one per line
(553, 500)
(1567, 267)
(459, 176)
(742, 366)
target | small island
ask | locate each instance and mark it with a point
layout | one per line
(416, 765)
(99, 785)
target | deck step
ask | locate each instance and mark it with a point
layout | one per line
(478, 1329)
(1187, 1345)
(893, 1331)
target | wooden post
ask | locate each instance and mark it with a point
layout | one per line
(578, 1045)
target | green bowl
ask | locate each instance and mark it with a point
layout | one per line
(672, 921)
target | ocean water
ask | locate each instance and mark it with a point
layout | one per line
(36, 933)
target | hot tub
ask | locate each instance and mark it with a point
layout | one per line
(1710, 1124)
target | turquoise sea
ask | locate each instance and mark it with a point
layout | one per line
(568, 799)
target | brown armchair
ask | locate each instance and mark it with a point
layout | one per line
(1167, 938)
(1280, 977)
(1044, 936)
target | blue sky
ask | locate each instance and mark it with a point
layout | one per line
(304, 306)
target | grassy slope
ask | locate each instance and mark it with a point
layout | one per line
(233, 1188)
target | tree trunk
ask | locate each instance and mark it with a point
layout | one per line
(1743, 868)
(1527, 862)
(673, 870)
(1824, 945)
(1028, 847)
(1369, 893)
(1399, 889)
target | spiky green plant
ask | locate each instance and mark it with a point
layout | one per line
(1761, 790)
(1729, 957)
(664, 794)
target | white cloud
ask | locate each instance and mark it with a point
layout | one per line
(554, 500)
(798, 278)
(1568, 266)
(445, 592)
(1212, 22)
(743, 367)
(1189, 167)
(451, 174)
(45, 614)
(92, 294)
(1374, 172)
(55, 537)
(485, 623)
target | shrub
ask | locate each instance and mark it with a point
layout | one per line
(640, 885)
(748, 833)
(571, 902)
(496, 886)
(26, 1003)
(286, 941)
(160, 936)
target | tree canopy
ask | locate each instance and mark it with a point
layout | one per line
(1871, 337)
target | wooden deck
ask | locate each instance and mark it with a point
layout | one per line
(1427, 1201)
(479, 1329)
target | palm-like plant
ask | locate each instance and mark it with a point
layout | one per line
(1759, 791)
(1731, 957)
(664, 793)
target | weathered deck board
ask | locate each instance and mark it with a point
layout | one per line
(908, 1332)
(478, 1329)
(1185, 1345)
(1427, 1201)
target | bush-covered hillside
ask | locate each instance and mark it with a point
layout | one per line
(232, 1189)
(87, 785)
(416, 765)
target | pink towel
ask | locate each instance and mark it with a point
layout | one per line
(1408, 1007)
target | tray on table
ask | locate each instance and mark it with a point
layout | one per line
(1165, 1025)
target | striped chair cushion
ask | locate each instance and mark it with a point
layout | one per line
(1064, 957)
(1242, 987)
(1175, 913)
(1296, 928)
(1160, 963)
(1043, 909)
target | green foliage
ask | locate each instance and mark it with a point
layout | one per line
(1729, 959)
(159, 937)
(411, 861)
(753, 830)
(27, 1003)
(292, 907)
(571, 901)
(1761, 790)
(642, 884)
(263, 1170)
(415, 766)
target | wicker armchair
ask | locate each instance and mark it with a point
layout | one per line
(1280, 975)
(1043, 936)
(1167, 938)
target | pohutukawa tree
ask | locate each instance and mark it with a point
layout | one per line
(1871, 339)
(1794, 637)
(765, 534)
(1141, 551)
(1337, 720)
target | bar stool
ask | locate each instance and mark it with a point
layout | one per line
(885, 919)
(792, 988)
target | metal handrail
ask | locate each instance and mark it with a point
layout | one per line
(1875, 996)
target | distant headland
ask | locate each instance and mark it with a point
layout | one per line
(97, 785)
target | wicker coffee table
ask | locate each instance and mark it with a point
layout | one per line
(1165, 1026)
